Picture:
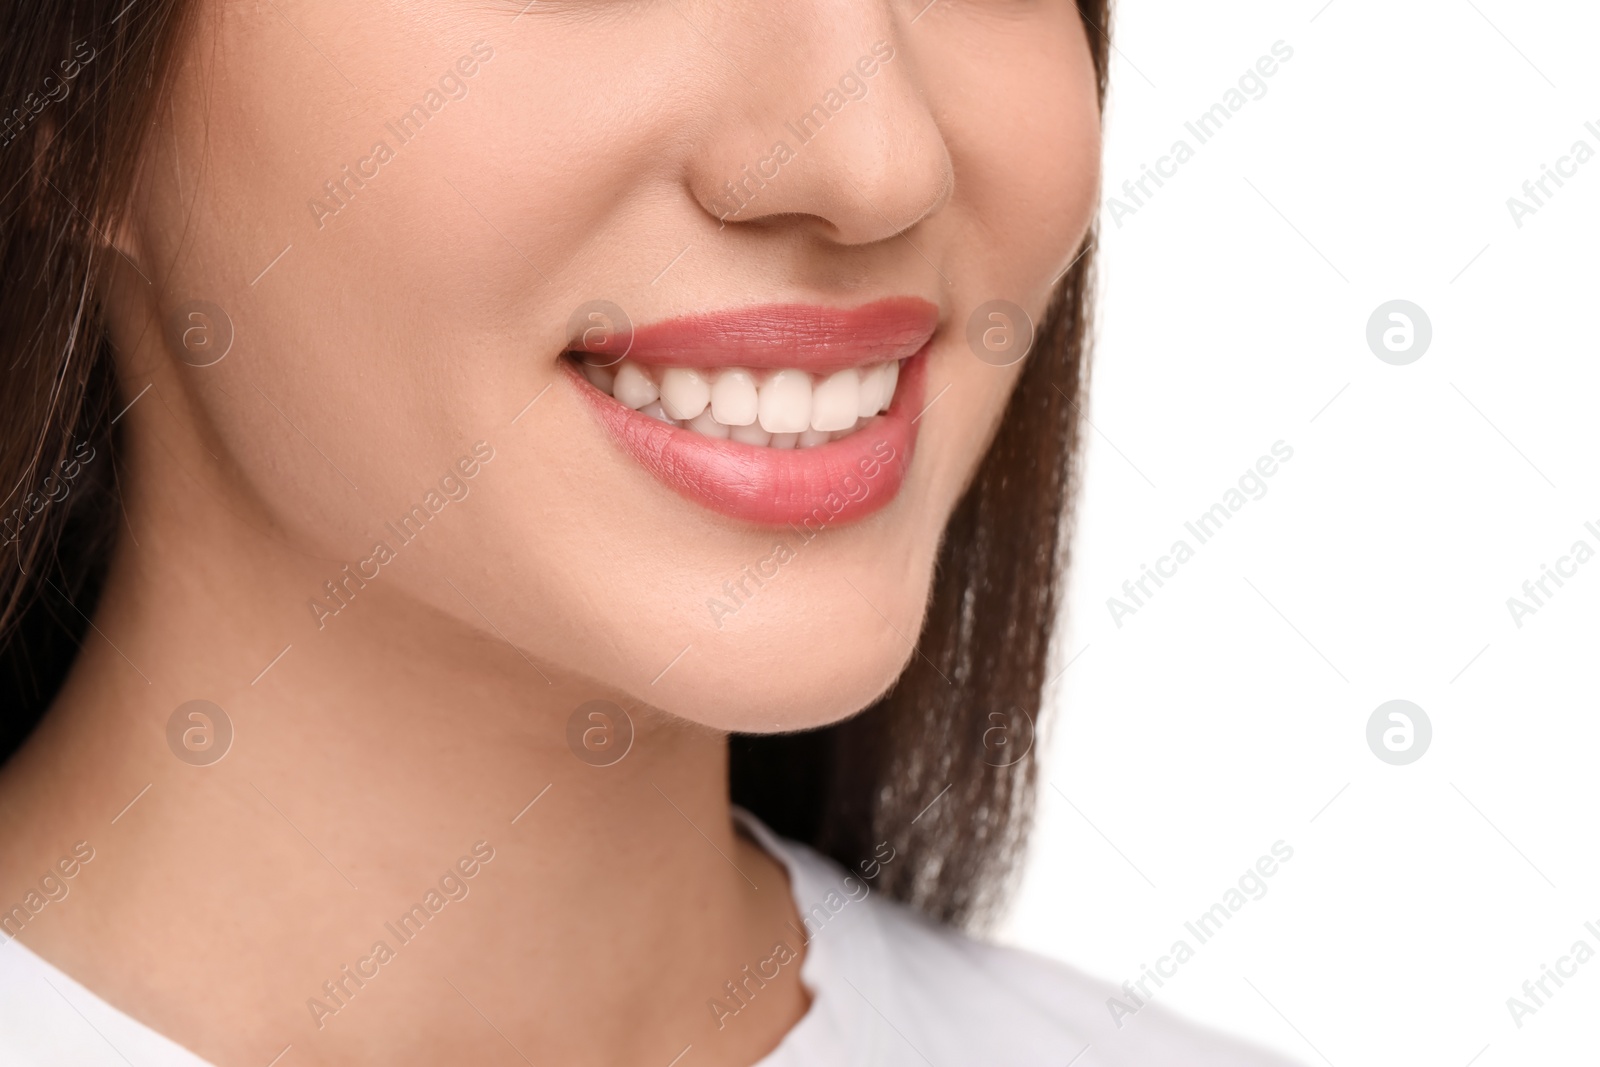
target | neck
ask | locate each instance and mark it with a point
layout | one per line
(373, 764)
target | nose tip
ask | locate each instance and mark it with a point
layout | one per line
(884, 189)
(858, 155)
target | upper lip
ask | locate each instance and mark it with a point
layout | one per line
(773, 336)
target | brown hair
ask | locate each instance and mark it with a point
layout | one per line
(87, 76)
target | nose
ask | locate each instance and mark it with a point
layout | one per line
(836, 136)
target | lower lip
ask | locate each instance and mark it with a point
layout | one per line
(839, 482)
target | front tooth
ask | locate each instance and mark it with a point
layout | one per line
(633, 387)
(785, 402)
(784, 440)
(707, 426)
(599, 377)
(813, 438)
(751, 434)
(891, 375)
(871, 396)
(835, 435)
(684, 392)
(733, 398)
(834, 400)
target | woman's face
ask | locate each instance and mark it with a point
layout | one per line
(414, 214)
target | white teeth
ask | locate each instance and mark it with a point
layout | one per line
(834, 400)
(707, 426)
(599, 377)
(785, 409)
(656, 411)
(633, 387)
(786, 402)
(870, 398)
(733, 398)
(684, 392)
(752, 434)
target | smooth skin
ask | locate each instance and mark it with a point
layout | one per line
(422, 317)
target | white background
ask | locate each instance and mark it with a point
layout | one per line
(1230, 712)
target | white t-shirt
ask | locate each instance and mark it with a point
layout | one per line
(888, 989)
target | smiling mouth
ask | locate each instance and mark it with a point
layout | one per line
(773, 414)
(784, 408)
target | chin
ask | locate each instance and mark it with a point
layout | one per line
(818, 642)
(792, 688)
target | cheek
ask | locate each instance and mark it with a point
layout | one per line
(380, 320)
(1025, 137)
(962, 424)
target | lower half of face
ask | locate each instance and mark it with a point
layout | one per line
(664, 332)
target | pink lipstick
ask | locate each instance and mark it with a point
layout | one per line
(771, 414)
